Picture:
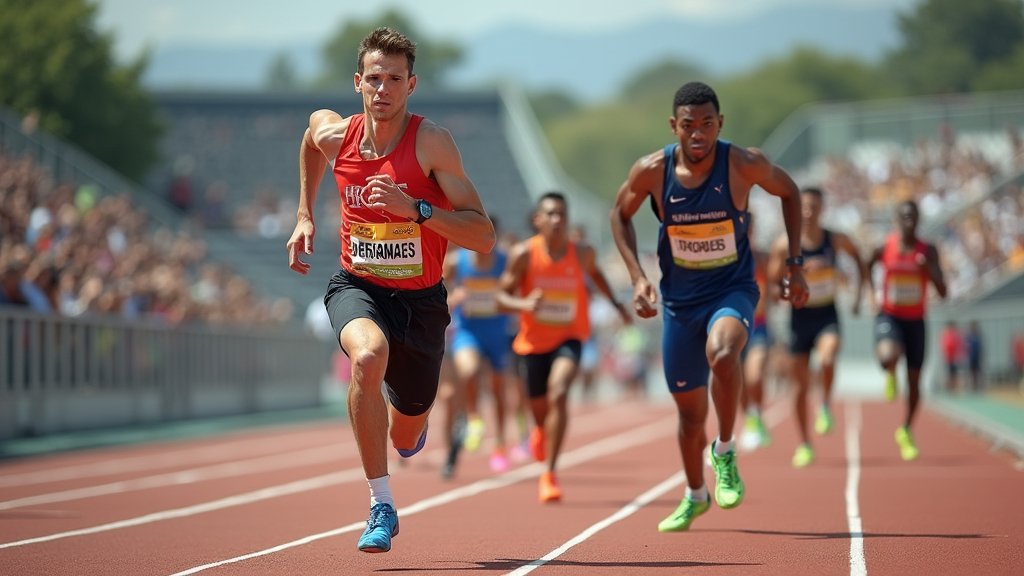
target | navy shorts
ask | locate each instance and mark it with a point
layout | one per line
(685, 336)
(413, 321)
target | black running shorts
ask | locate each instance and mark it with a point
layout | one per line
(413, 321)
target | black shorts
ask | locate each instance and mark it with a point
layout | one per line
(538, 366)
(413, 321)
(807, 324)
(951, 368)
(909, 333)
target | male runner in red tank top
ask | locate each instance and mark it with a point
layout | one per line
(404, 195)
(908, 263)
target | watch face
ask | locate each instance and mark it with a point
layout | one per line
(425, 210)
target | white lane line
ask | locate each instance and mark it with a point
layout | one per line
(586, 453)
(304, 485)
(858, 565)
(305, 457)
(587, 422)
(225, 450)
(773, 416)
(626, 511)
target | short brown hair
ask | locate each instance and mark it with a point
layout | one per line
(388, 42)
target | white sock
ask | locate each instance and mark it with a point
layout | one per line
(723, 447)
(698, 495)
(380, 492)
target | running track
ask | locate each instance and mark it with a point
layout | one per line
(292, 500)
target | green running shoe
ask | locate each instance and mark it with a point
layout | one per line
(890, 387)
(823, 424)
(908, 450)
(728, 485)
(803, 456)
(680, 520)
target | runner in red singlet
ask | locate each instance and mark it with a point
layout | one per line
(404, 195)
(908, 264)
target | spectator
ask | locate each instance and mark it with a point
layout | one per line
(71, 251)
(973, 346)
(952, 345)
(1018, 357)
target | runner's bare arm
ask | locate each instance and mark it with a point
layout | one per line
(643, 179)
(467, 224)
(775, 269)
(845, 244)
(755, 168)
(323, 135)
(588, 257)
(935, 270)
(509, 299)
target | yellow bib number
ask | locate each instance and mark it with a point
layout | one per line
(703, 246)
(388, 250)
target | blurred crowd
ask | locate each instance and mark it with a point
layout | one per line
(68, 250)
(950, 177)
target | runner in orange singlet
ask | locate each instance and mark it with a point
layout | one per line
(908, 263)
(544, 280)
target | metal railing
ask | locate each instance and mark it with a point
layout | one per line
(61, 374)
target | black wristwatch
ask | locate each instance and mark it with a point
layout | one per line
(795, 261)
(424, 211)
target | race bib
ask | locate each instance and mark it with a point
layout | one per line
(557, 308)
(387, 250)
(703, 246)
(821, 286)
(905, 290)
(481, 298)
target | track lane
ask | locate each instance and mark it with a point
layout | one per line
(793, 522)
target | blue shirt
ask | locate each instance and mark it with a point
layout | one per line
(703, 248)
(478, 312)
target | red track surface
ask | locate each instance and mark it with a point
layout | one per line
(294, 498)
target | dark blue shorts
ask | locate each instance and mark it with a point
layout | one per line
(685, 336)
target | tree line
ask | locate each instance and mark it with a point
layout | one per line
(59, 69)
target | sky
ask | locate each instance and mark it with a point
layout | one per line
(137, 24)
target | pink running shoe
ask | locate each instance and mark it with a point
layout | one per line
(499, 462)
(520, 452)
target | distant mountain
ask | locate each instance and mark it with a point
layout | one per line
(591, 66)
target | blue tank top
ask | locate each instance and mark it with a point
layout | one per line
(479, 310)
(703, 249)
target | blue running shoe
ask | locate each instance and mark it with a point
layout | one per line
(380, 529)
(419, 445)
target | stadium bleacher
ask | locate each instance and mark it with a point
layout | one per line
(244, 148)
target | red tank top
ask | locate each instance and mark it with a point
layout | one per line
(905, 279)
(383, 249)
(563, 311)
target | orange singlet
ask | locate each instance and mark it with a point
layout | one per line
(380, 248)
(563, 313)
(905, 283)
